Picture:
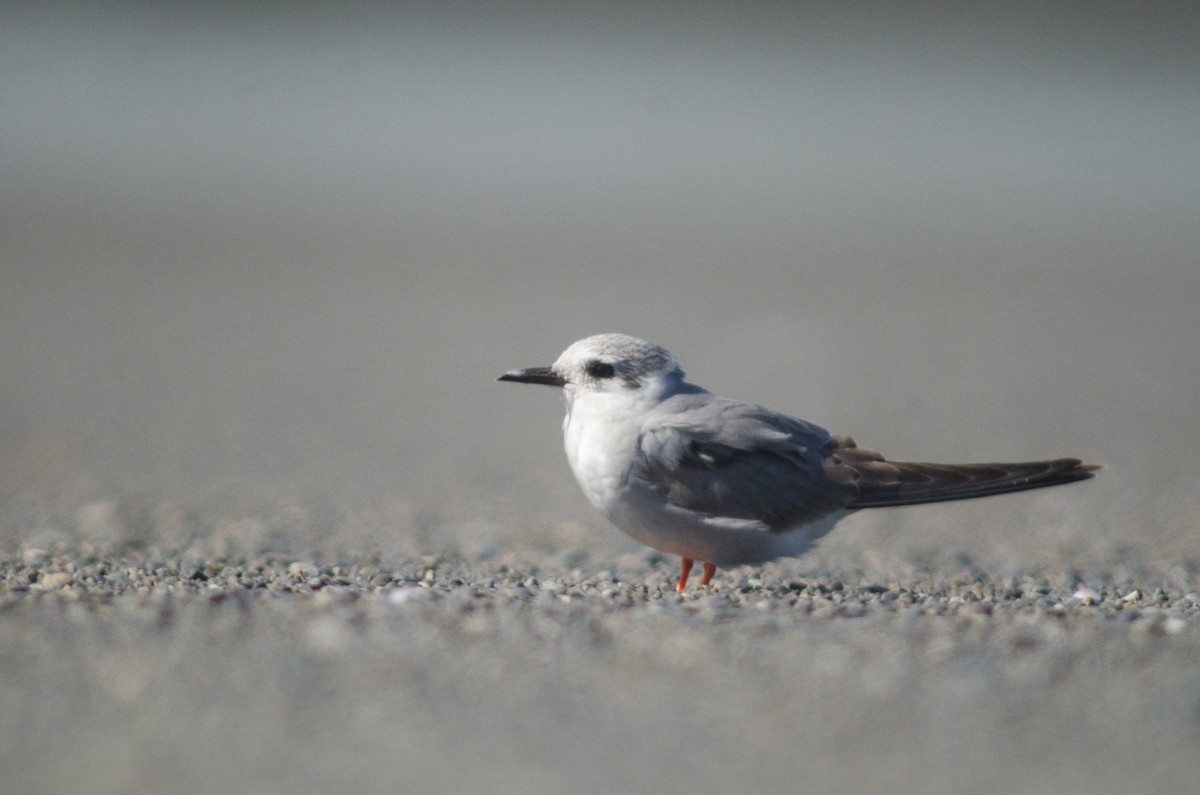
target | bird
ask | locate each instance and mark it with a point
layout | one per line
(726, 482)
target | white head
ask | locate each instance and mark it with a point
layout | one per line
(610, 364)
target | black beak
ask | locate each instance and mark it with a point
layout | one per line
(534, 375)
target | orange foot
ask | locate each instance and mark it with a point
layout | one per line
(684, 572)
(686, 569)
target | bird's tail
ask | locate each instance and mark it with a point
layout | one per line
(888, 483)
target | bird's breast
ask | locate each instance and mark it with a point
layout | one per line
(600, 449)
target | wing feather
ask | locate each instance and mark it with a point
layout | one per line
(882, 484)
(731, 460)
(737, 462)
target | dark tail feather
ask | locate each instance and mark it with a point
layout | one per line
(882, 484)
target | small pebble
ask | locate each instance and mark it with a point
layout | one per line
(402, 596)
(55, 579)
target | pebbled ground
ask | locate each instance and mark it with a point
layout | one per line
(152, 672)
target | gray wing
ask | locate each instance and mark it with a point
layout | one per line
(728, 459)
(723, 458)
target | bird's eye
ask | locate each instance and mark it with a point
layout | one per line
(598, 369)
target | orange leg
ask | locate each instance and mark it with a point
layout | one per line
(709, 570)
(684, 572)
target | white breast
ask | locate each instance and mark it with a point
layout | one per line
(600, 435)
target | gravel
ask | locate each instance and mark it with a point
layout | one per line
(144, 672)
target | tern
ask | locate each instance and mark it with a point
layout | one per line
(724, 482)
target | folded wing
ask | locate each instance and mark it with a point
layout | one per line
(727, 459)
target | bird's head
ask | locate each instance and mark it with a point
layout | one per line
(612, 364)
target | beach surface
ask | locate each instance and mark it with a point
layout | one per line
(268, 523)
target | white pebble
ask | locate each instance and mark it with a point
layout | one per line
(1174, 625)
(402, 596)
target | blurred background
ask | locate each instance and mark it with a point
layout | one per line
(260, 264)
